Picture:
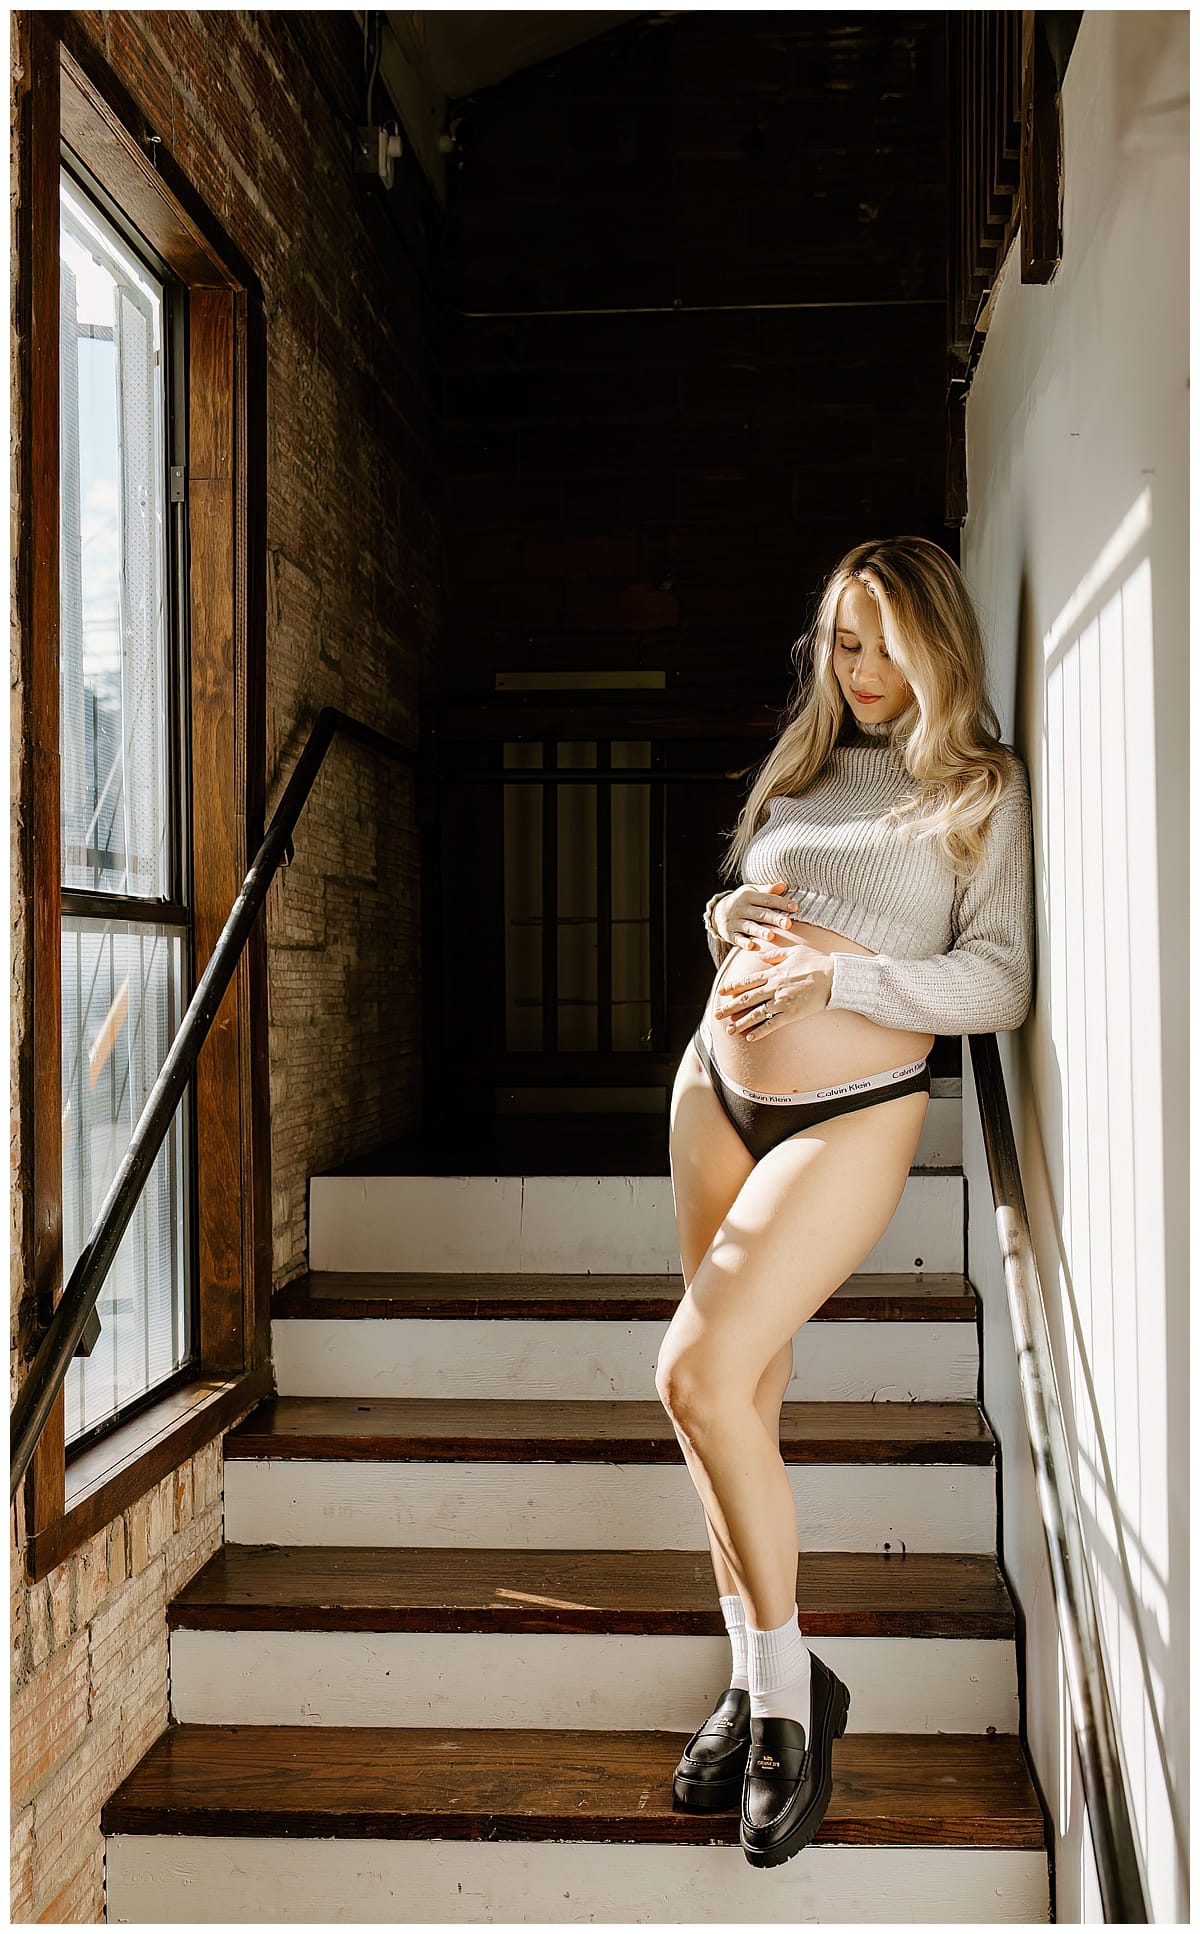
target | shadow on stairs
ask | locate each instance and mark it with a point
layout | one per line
(526, 1144)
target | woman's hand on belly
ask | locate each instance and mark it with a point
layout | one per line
(750, 911)
(782, 984)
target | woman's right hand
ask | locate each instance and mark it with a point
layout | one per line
(749, 914)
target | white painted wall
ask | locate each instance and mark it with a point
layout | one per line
(1076, 548)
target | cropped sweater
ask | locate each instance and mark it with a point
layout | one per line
(950, 955)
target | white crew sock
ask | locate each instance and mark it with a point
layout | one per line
(779, 1671)
(734, 1613)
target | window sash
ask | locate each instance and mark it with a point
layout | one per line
(77, 111)
(124, 778)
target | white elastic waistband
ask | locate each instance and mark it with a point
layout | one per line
(864, 1084)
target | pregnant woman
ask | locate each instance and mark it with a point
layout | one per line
(885, 896)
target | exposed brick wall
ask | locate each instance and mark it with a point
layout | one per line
(664, 484)
(258, 109)
(89, 1683)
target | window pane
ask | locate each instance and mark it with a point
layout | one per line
(113, 650)
(121, 1006)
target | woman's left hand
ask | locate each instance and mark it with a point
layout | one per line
(793, 981)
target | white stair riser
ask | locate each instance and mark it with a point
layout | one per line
(513, 1357)
(575, 1224)
(577, 1507)
(898, 1685)
(940, 1145)
(172, 1878)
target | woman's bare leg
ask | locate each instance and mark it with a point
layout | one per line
(804, 1218)
(709, 1163)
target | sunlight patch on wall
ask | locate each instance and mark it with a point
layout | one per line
(1099, 840)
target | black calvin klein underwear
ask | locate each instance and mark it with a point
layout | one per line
(763, 1121)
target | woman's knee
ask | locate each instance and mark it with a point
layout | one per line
(692, 1388)
(696, 1374)
(684, 1394)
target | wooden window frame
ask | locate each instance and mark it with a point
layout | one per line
(74, 97)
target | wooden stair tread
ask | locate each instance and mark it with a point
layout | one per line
(893, 1789)
(943, 1297)
(418, 1588)
(587, 1430)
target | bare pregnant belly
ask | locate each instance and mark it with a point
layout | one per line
(832, 1045)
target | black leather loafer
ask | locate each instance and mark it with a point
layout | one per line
(789, 1777)
(710, 1774)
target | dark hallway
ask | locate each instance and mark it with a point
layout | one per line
(692, 285)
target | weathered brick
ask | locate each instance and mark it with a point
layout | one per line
(166, 1507)
(59, 1593)
(58, 1802)
(66, 1814)
(80, 1901)
(118, 1561)
(16, 1509)
(144, 1716)
(132, 53)
(131, 1661)
(92, 1584)
(130, 1614)
(181, 1499)
(41, 1624)
(18, 1624)
(208, 1475)
(148, 1529)
(191, 1548)
(123, 1654)
(20, 1870)
(48, 1718)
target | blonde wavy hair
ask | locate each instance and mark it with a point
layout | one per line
(949, 734)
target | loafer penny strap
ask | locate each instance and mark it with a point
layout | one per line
(729, 1717)
(776, 1761)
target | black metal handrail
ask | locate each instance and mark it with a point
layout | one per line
(1118, 1864)
(1122, 1887)
(75, 1312)
(51, 1361)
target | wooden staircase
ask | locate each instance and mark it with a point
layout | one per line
(465, 1619)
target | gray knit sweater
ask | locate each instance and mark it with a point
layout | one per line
(949, 956)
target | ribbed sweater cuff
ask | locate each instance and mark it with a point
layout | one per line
(855, 979)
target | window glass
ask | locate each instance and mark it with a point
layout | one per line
(121, 1005)
(112, 652)
(124, 972)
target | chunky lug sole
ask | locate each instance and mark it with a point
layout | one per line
(807, 1823)
(716, 1795)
